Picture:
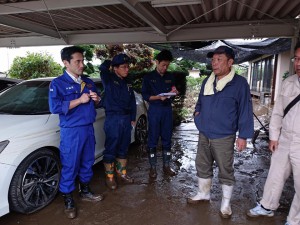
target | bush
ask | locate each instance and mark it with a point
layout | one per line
(34, 65)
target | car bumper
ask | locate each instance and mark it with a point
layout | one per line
(7, 171)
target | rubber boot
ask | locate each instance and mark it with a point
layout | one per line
(225, 211)
(70, 209)
(203, 193)
(166, 161)
(110, 179)
(122, 172)
(86, 194)
(152, 160)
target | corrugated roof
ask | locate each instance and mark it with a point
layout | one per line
(51, 22)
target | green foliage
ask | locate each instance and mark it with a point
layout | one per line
(34, 65)
(285, 75)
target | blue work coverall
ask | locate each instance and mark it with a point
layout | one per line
(120, 109)
(77, 139)
(160, 119)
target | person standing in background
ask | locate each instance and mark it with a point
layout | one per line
(120, 110)
(160, 117)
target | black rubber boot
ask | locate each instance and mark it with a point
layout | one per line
(152, 160)
(70, 209)
(166, 161)
(86, 194)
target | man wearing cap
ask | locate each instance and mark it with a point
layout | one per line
(224, 107)
(160, 111)
(120, 109)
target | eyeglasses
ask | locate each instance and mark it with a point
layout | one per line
(295, 59)
(124, 67)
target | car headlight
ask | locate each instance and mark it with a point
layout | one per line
(3, 145)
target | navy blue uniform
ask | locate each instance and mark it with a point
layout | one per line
(120, 109)
(77, 140)
(159, 112)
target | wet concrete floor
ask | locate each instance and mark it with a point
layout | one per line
(163, 201)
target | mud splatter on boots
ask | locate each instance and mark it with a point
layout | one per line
(122, 172)
(110, 179)
(70, 209)
(86, 194)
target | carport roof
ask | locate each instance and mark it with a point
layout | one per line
(61, 22)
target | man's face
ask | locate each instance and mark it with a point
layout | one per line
(76, 65)
(162, 66)
(221, 65)
(297, 62)
(122, 70)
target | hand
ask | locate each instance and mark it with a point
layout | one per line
(133, 123)
(174, 90)
(196, 114)
(84, 98)
(162, 98)
(94, 96)
(273, 145)
(240, 144)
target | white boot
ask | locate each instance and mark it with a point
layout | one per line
(203, 193)
(225, 205)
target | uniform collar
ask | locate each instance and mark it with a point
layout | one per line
(76, 80)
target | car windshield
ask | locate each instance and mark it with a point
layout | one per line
(28, 98)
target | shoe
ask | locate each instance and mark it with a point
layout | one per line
(258, 210)
(199, 197)
(169, 171)
(125, 179)
(86, 194)
(70, 209)
(203, 193)
(225, 211)
(152, 172)
(110, 176)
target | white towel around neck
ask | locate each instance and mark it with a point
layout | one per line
(209, 86)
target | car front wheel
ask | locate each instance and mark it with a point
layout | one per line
(35, 182)
(141, 130)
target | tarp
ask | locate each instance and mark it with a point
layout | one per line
(244, 51)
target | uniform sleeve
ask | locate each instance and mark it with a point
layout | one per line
(146, 89)
(277, 116)
(133, 107)
(57, 104)
(245, 112)
(104, 71)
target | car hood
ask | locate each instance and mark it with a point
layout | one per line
(21, 125)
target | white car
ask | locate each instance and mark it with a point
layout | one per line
(29, 145)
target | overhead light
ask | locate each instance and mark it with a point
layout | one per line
(166, 3)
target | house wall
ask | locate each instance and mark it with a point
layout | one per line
(283, 65)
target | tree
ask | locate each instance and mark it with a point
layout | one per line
(34, 65)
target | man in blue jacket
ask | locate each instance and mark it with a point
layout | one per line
(224, 107)
(120, 109)
(73, 96)
(156, 88)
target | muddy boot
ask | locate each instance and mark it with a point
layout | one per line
(166, 161)
(225, 211)
(152, 172)
(110, 179)
(86, 194)
(70, 209)
(122, 173)
(203, 193)
(152, 160)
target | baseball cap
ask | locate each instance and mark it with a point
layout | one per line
(120, 59)
(222, 50)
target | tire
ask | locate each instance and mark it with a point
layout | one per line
(35, 182)
(141, 130)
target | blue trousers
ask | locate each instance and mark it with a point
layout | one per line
(77, 155)
(160, 125)
(118, 137)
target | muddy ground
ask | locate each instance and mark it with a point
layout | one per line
(163, 201)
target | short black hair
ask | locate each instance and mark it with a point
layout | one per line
(164, 55)
(297, 46)
(67, 52)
